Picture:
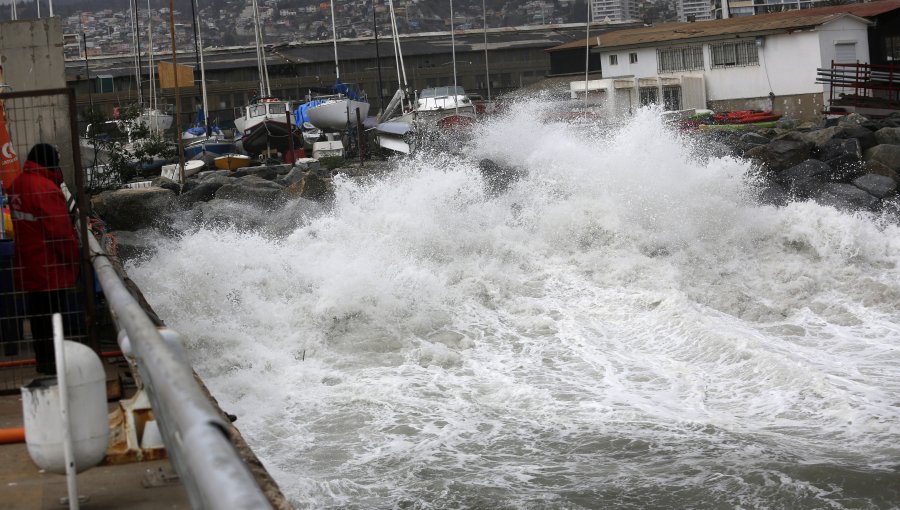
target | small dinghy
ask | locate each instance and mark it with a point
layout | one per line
(232, 161)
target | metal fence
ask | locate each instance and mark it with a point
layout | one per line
(64, 283)
(197, 436)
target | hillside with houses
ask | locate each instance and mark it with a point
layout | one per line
(102, 27)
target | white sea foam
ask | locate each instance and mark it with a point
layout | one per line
(623, 327)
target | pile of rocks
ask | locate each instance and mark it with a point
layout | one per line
(204, 196)
(851, 163)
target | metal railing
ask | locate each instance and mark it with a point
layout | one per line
(195, 435)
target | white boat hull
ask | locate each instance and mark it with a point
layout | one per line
(393, 136)
(336, 114)
(190, 168)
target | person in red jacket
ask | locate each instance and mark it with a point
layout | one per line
(46, 251)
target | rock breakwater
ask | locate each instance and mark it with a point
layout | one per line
(851, 163)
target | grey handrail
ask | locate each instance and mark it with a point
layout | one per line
(194, 433)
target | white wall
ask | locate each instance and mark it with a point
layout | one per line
(787, 65)
(843, 30)
(644, 67)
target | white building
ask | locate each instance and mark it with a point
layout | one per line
(766, 62)
(694, 10)
(613, 10)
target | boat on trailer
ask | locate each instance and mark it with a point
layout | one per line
(438, 110)
(265, 125)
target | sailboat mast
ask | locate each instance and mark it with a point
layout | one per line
(259, 64)
(377, 56)
(337, 70)
(202, 69)
(397, 51)
(136, 42)
(453, 52)
(150, 62)
(260, 53)
(487, 71)
(177, 91)
(587, 55)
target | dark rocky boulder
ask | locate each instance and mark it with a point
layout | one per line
(753, 139)
(264, 172)
(866, 137)
(887, 155)
(254, 190)
(806, 179)
(844, 156)
(218, 212)
(888, 135)
(782, 153)
(202, 191)
(312, 185)
(846, 197)
(874, 167)
(166, 183)
(877, 185)
(133, 209)
(820, 137)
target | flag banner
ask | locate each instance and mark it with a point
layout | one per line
(9, 161)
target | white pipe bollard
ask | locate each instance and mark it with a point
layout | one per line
(66, 417)
(69, 455)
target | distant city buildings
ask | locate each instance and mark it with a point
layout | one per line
(614, 10)
(696, 10)
(229, 22)
(735, 8)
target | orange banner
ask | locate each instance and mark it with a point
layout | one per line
(9, 161)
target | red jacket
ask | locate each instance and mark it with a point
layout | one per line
(46, 249)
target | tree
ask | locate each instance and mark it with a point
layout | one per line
(127, 146)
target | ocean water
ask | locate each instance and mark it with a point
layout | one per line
(624, 327)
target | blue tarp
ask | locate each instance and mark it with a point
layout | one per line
(342, 88)
(300, 113)
(199, 127)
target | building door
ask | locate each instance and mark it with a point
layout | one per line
(845, 53)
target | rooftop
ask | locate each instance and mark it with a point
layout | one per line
(781, 21)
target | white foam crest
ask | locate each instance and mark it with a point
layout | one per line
(621, 321)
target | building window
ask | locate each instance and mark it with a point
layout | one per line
(672, 97)
(845, 53)
(613, 60)
(648, 95)
(892, 48)
(733, 54)
(684, 58)
(632, 57)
